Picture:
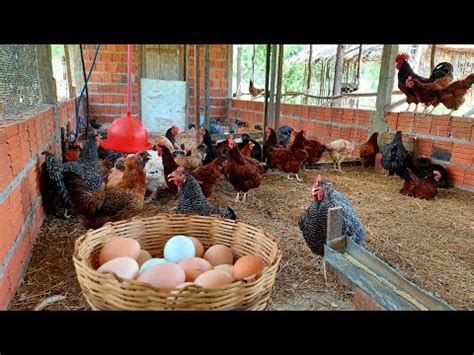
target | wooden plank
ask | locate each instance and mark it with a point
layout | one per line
(197, 76)
(207, 100)
(339, 69)
(278, 86)
(271, 107)
(267, 73)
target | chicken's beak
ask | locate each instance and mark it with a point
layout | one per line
(171, 177)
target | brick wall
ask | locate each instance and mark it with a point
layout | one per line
(22, 140)
(108, 83)
(455, 135)
(218, 80)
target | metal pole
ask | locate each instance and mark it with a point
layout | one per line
(271, 110)
(267, 73)
(278, 86)
(196, 87)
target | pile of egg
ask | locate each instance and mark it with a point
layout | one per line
(185, 262)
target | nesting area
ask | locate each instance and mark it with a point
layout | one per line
(429, 242)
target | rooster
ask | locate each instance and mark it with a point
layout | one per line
(421, 188)
(405, 71)
(191, 199)
(313, 222)
(339, 150)
(253, 90)
(369, 150)
(110, 203)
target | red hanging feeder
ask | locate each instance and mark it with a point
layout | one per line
(127, 134)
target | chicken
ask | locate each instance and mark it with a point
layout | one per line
(256, 151)
(428, 93)
(453, 96)
(211, 151)
(313, 148)
(243, 173)
(405, 71)
(114, 177)
(86, 167)
(253, 90)
(110, 203)
(284, 135)
(155, 175)
(169, 164)
(339, 150)
(421, 188)
(224, 146)
(194, 160)
(426, 169)
(270, 143)
(290, 160)
(172, 134)
(369, 150)
(191, 199)
(209, 174)
(313, 222)
(395, 157)
(246, 150)
(73, 153)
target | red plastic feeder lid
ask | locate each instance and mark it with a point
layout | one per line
(126, 135)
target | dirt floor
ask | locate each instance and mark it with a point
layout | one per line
(431, 243)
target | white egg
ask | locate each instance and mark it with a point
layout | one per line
(179, 248)
(150, 263)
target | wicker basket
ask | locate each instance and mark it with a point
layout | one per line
(109, 292)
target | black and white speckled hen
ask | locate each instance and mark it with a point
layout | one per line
(395, 157)
(313, 222)
(86, 167)
(191, 199)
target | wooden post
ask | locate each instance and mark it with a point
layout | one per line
(338, 72)
(267, 73)
(68, 71)
(433, 55)
(309, 73)
(45, 65)
(384, 90)
(196, 88)
(253, 63)
(271, 111)
(281, 49)
(239, 71)
(206, 86)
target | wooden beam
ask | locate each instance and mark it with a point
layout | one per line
(267, 74)
(197, 76)
(271, 111)
(239, 71)
(384, 90)
(207, 100)
(339, 70)
(68, 71)
(309, 73)
(433, 56)
(281, 49)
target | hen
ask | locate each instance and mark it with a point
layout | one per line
(209, 174)
(269, 145)
(194, 160)
(313, 222)
(428, 93)
(256, 151)
(110, 203)
(191, 199)
(421, 188)
(338, 151)
(224, 146)
(253, 90)
(369, 150)
(284, 135)
(169, 164)
(243, 173)
(290, 160)
(155, 175)
(426, 168)
(171, 135)
(395, 157)
(453, 96)
(313, 148)
(405, 71)
(211, 151)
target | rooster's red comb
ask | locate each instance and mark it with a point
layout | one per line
(402, 57)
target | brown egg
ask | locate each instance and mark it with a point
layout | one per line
(167, 275)
(198, 246)
(219, 254)
(142, 257)
(193, 267)
(226, 268)
(247, 265)
(213, 278)
(118, 247)
(124, 267)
